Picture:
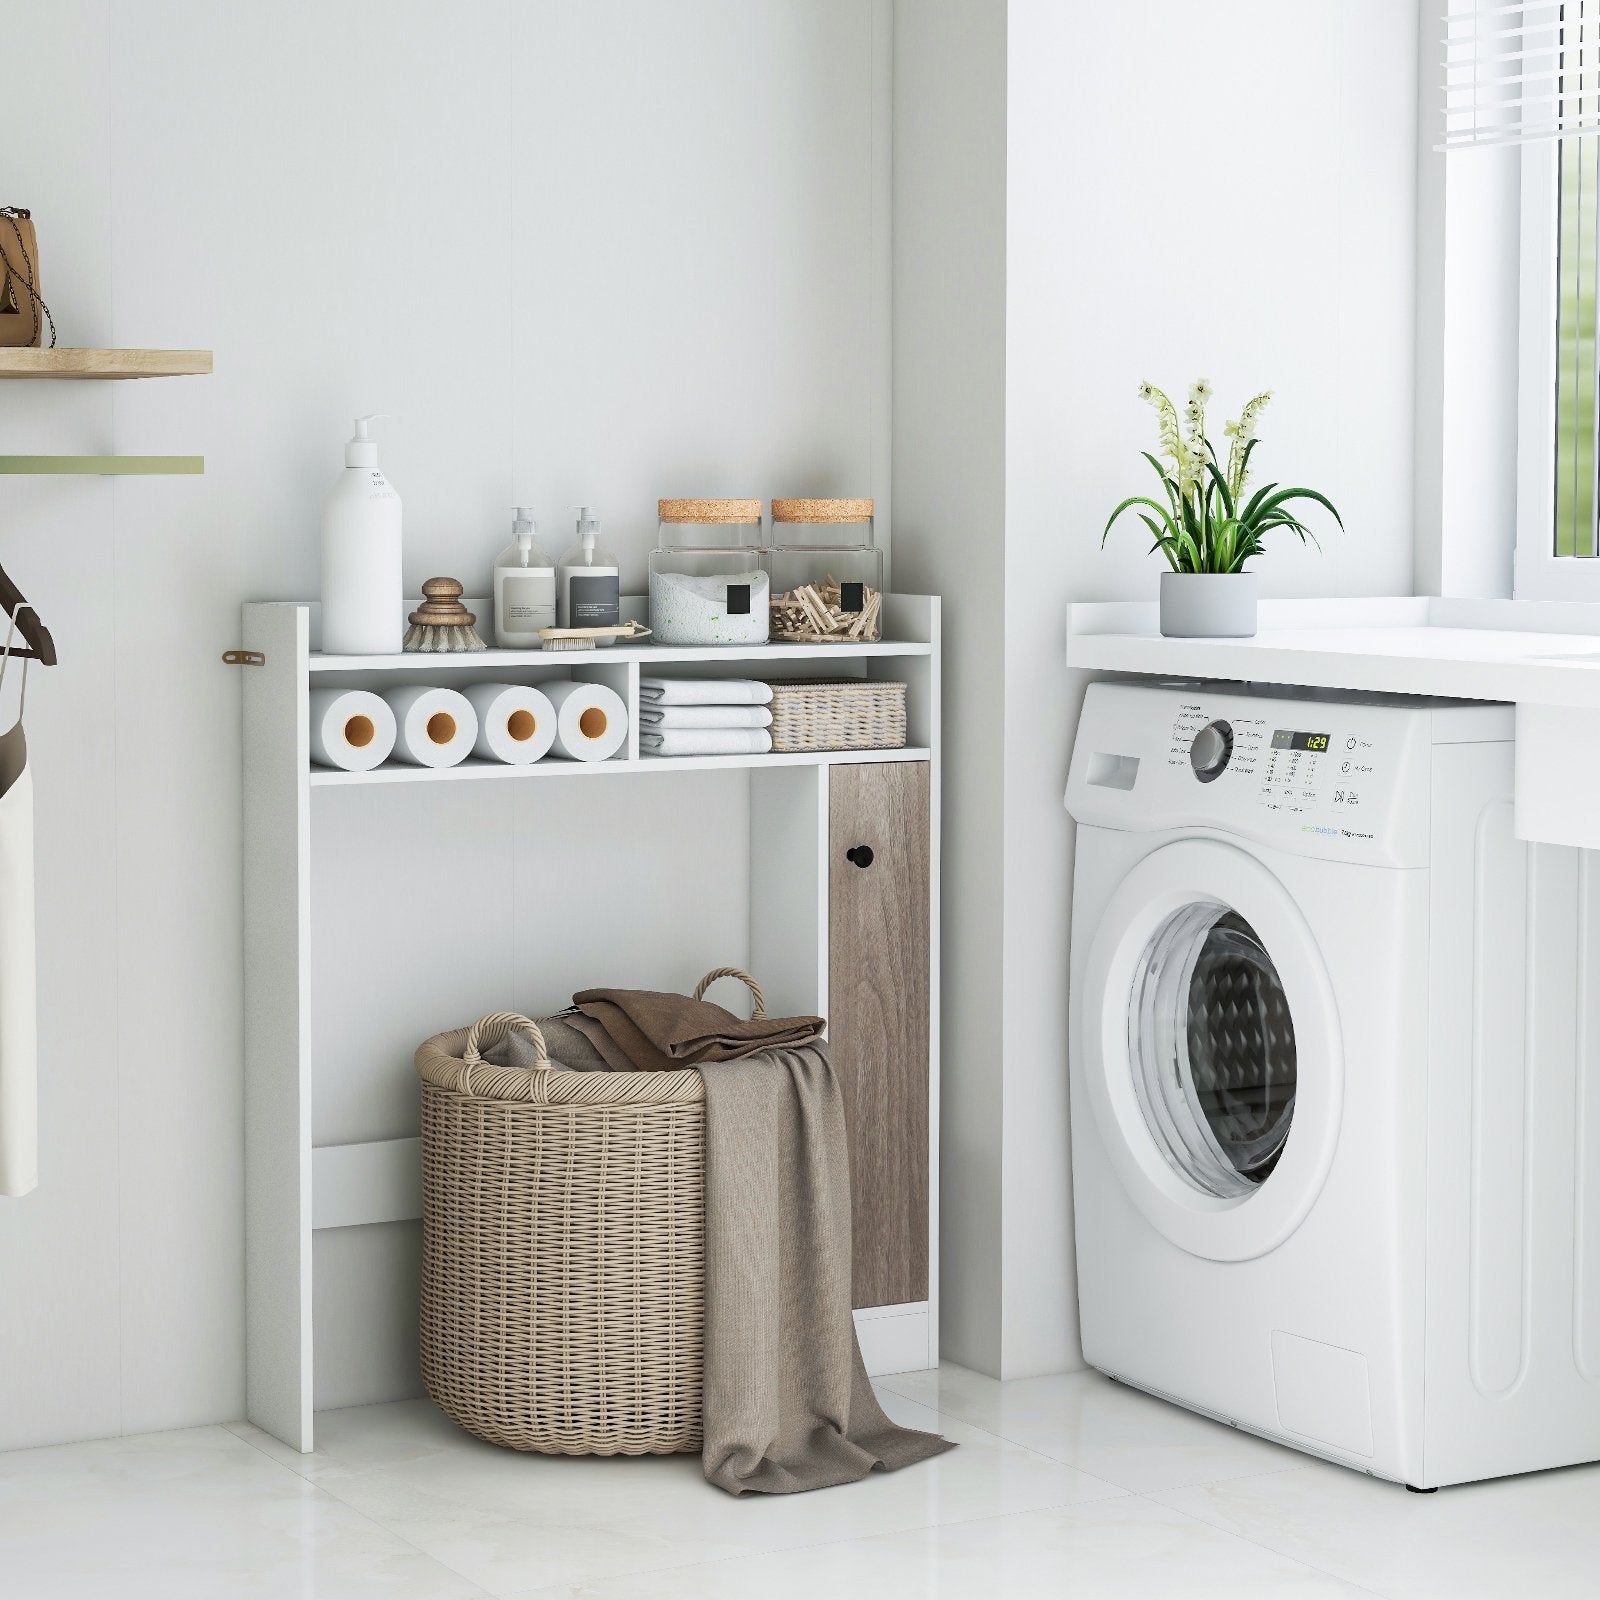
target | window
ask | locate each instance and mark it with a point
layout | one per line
(1549, 55)
(1572, 530)
(1528, 74)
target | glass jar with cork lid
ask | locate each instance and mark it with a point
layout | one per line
(708, 573)
(827, 572)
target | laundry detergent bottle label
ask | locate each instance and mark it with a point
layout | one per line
(529, 600)
(596, 601)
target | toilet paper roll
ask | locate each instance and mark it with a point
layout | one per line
(435, 727)
(352, 729)
(591, 721)
(515, 723)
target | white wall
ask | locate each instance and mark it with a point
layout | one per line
(949, 472)
(604, 251)
(1224, 190)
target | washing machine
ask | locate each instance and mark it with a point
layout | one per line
(1335, 1078)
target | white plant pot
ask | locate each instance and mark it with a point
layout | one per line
(1208, 605)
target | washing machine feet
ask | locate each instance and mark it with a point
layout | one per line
(1411, 1488)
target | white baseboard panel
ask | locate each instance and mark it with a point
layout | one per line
(895, 1339)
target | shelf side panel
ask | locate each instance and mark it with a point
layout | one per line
(277, 1011)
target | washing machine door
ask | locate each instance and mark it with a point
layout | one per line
(1211, 1050)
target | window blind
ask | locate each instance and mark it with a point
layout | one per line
(1516, 73)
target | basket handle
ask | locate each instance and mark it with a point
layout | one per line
(758, 995)
(496, 1026)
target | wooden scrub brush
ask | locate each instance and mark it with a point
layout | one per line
(441, 625)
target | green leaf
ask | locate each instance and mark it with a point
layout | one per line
(1190, 551)
(1191, 516)
(1285, 496)
(1294, 524)
(1222, 555)
(1163, 542)
(1135, 500)
(1166, 482)
(1221, 484)
(1254, 504)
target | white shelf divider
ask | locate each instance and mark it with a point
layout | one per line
(646, 656)
(474, 768)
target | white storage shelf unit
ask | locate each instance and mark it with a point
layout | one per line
(382, 907)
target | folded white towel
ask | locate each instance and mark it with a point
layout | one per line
(705, 716)
(704, 692)
(706, 742)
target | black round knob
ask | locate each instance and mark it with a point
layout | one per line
(860, 854)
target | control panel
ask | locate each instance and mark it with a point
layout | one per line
(1331, 768)
(1319, 774)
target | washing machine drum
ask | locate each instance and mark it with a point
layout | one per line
(1211, 1045)
(1210, 1048)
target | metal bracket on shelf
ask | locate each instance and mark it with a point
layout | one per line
(244, 658)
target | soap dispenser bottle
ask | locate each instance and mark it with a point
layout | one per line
(524, 587)
(588, 586)
(363, 597)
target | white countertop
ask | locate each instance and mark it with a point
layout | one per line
(1542, 653)
(1542, 656)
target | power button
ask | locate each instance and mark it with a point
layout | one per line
(1211, 751)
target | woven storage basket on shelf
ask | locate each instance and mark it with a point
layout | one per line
(838, 714)
(563, 1247)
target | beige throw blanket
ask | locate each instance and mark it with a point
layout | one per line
(788, 1404)
(787, 1401)
(660, 1032)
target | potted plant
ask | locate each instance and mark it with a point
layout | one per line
(1206, 528)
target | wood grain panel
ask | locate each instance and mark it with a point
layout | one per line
(878, 1018)
(68, 363)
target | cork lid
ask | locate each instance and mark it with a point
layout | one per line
(821, 510)
(709, 510)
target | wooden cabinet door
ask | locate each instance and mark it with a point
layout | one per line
(878, 933)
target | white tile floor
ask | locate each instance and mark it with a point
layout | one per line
(1062, 1486)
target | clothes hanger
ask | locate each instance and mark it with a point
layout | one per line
(41, 647)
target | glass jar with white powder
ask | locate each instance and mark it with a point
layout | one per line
(708, 573)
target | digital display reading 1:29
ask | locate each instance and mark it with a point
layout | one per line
(1285, 739)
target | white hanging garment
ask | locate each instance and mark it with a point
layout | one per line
(19, 1091)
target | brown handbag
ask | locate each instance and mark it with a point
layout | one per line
(23, 312)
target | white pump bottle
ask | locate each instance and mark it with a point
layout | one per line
(524, 588)
(363, 593)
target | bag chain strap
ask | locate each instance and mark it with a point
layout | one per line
(11, 214)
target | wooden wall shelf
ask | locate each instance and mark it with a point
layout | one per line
(102, 466)
(75, 363)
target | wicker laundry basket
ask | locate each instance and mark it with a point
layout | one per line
(563, 1247)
